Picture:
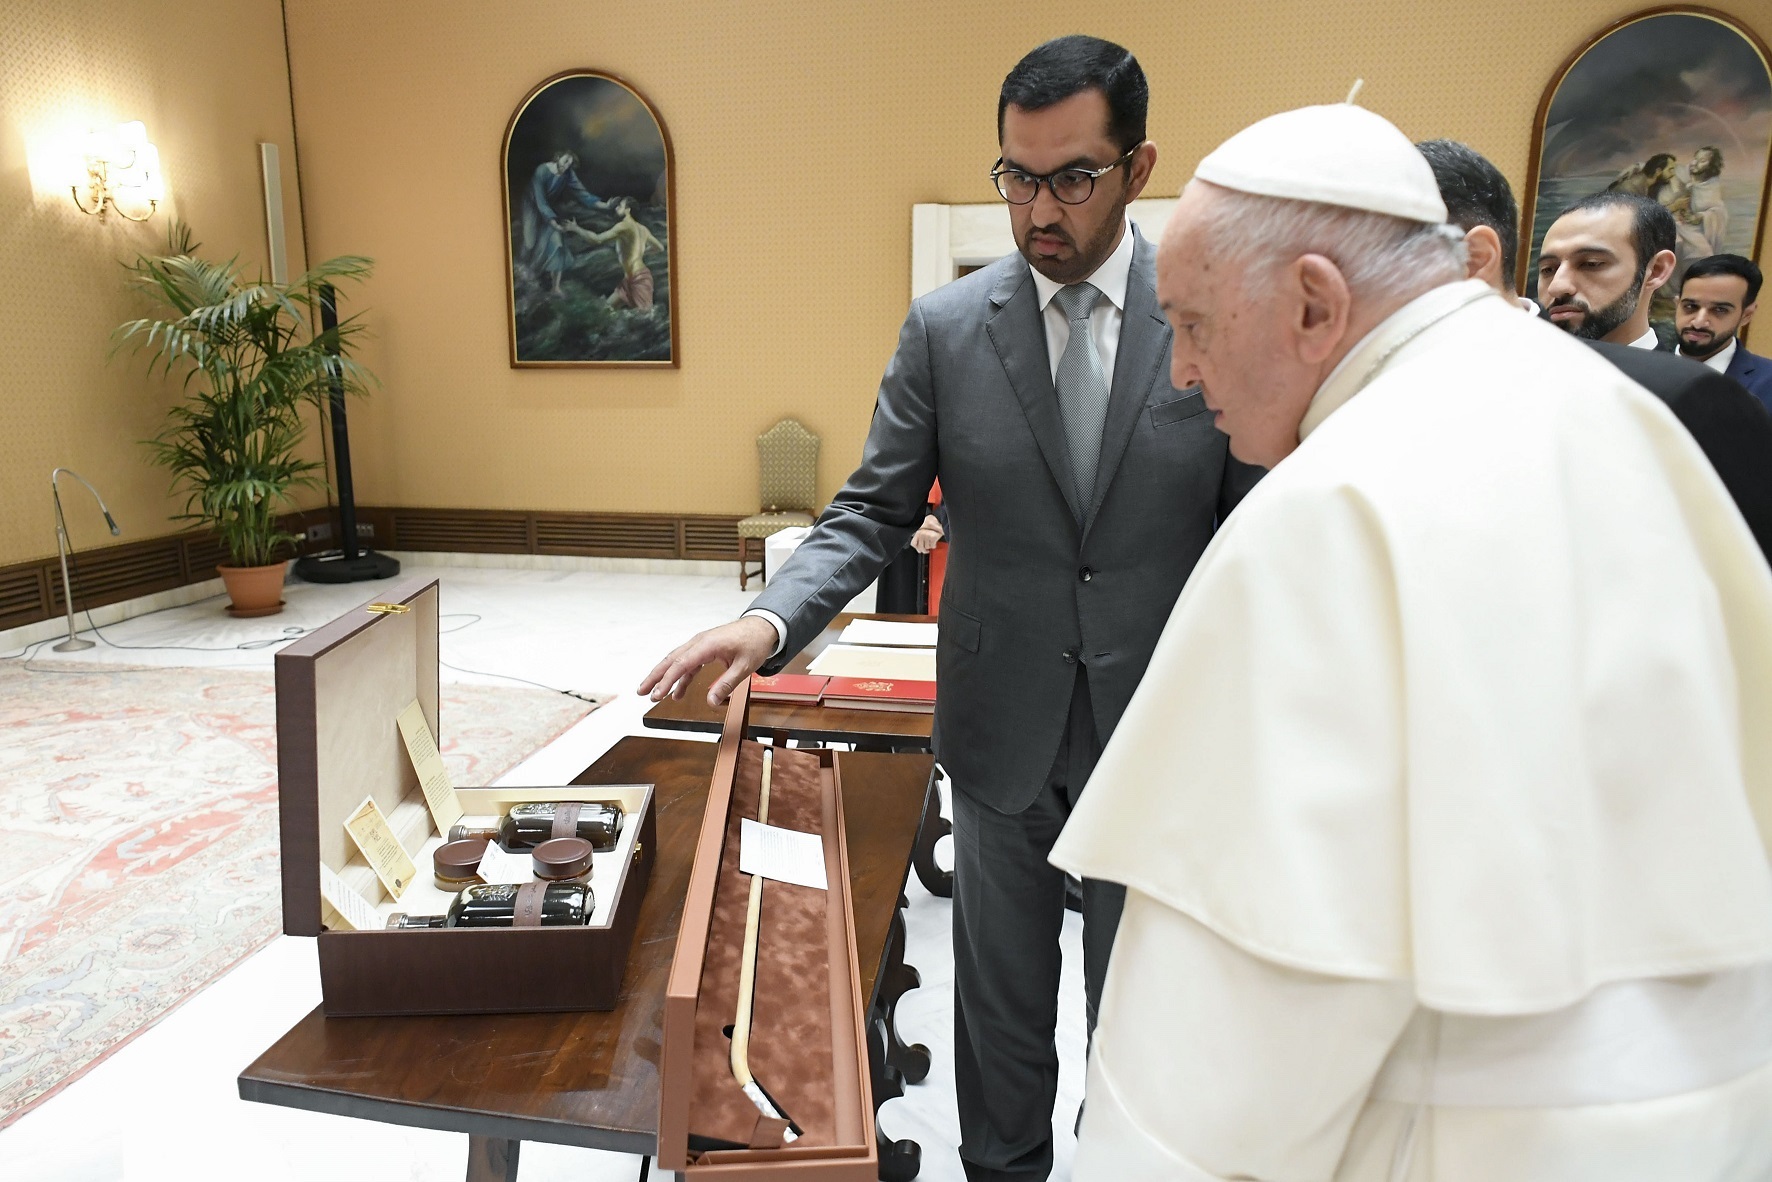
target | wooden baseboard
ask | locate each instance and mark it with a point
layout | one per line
(596, 535)
(32, 591)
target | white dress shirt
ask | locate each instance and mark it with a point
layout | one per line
(1110, 279)
(1647, 341)
(1104, 323)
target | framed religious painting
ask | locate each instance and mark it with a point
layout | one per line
(1674, 104)
(590, 246)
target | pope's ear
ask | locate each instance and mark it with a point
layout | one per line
(1320, 316)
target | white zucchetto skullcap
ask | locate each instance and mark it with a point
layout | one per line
(1337, 154)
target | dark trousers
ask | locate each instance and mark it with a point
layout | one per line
(1008, 911)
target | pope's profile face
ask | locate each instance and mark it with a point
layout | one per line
(1225, 341)
(1066, 243)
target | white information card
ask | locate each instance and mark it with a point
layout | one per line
(786, 855)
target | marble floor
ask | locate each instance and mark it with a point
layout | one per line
(164, 1106)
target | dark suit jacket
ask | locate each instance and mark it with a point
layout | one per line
(1036, 583)
(1753, 372)
(1734, 431)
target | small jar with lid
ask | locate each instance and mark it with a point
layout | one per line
(563, 859)
(455, 865)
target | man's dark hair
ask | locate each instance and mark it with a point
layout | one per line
(1657, 162)
(1652, 226)
(1476, 194)
(1727, 264)
(1055, 71)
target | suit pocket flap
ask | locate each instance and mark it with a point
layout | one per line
(1175, 410)
(960, 628)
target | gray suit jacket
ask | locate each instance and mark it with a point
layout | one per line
(1036, 583)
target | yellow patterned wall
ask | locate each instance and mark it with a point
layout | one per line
(804, 130)
(209, 79)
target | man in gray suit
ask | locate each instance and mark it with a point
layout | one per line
(1081, 488)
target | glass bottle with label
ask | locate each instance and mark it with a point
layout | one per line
(494, 905)
(526, 826)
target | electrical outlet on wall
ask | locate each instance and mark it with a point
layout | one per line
(319, 533)
(365, 529)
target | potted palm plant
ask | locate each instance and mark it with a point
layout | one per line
(252, 356)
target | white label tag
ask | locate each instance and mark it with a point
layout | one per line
(427, 761)
(497, 866)
(393, 865)
(786, 855)
(357, 912)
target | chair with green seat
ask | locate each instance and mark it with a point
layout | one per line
(787, 461)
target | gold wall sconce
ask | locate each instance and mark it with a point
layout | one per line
(122, 171)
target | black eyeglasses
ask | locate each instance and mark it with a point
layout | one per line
(1071, 186)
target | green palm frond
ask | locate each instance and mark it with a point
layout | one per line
(250, 356)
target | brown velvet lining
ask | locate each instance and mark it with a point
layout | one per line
(790, 1049)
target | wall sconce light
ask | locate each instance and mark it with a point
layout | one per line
(120, 166)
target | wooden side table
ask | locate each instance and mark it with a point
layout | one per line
(591, 1078)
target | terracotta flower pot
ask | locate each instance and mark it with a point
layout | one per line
(255, 590)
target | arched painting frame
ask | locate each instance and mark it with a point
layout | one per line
(590, 245)
(1669, 81)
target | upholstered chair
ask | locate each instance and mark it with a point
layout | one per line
(787, 463)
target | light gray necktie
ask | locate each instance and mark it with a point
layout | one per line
(1082, 388)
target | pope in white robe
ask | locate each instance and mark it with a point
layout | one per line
(1444, 804)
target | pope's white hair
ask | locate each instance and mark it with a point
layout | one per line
(1381, 257)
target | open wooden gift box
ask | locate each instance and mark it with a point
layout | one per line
(340, 690)
(808, 1041)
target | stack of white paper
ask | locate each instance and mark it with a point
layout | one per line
(889, 632)
(852, 660)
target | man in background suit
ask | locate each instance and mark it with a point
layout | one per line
(1081, 488)
(1734, 432)
(1718, 296)
(1601, 263)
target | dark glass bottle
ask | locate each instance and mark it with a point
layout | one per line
(528, 825)
(565, 904)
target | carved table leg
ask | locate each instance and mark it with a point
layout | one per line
(897, 979)
(492, 1159)
(899, 1160)
(935, 880)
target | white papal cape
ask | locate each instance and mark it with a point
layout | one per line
(1444, 803)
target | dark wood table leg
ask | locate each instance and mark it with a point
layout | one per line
(897, 979)
(935, 880)
(899, 1160)
(492, 1159)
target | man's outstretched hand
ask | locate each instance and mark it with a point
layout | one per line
(742, 646)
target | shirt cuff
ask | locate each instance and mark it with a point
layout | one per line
(776, 622)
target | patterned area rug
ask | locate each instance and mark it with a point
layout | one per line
(138, 844)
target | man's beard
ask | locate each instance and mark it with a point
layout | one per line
(1598, 323)
(1090, 255)
(1716, 344)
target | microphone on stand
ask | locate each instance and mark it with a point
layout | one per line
(73, 643)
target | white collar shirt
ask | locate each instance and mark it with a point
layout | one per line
(1110, 279)
(1719, 360)
(1647, 341)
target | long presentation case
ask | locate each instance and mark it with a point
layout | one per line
(808, 1046)
(340, 690)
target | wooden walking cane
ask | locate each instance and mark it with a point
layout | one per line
(747, 977)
